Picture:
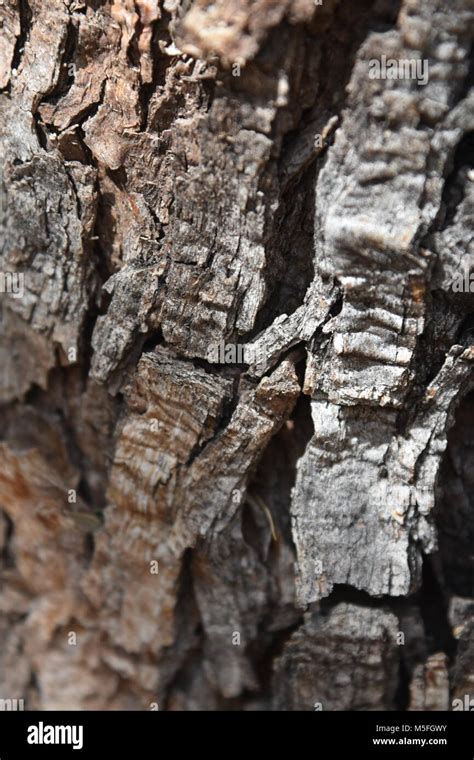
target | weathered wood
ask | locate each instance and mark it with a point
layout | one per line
(237, 366)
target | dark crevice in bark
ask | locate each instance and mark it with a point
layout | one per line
(102, 244)
(189, 626)
(339, 45)
(454, 186)
(430, 603)
(411, 651)
(273, 481)
(275, 474)
(465, 334)
(434, 611)
(444, 317)
(208, 93)
(133, 52)
(97, 308)
(153, 341)
(89, 549)
(454, 508)
(273, 478)
(440, 306)
(265, 660)
(351, 595)
(160, 65)
(292, 236)
(40, 130)
(99, 303)
(446, 326)
(7, 559)
(34, 687)
(84, 490)
(88, 155)
(402, 694)
(447, 319)
(26, 16)
(290, 248)
(430, 599)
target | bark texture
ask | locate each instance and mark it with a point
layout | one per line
(184, 526)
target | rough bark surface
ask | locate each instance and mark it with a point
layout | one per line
(184, 525)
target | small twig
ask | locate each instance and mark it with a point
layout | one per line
(257, 501)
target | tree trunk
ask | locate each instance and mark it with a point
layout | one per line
(238, 420)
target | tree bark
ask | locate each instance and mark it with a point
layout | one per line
(237, 368)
